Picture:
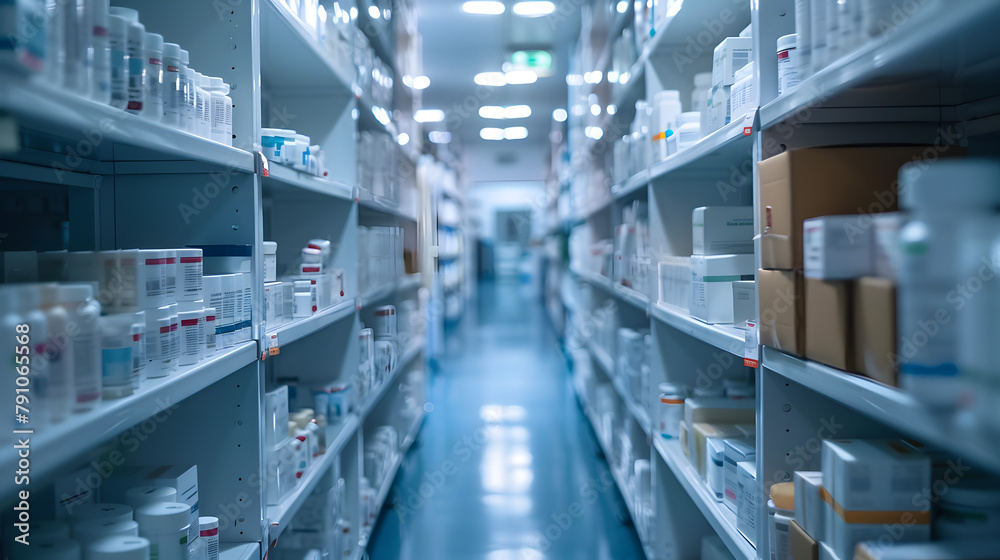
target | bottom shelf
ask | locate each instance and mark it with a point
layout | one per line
(720, 517)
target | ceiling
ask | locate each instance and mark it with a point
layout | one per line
(457, 46)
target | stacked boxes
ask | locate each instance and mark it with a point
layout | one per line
(722, 242)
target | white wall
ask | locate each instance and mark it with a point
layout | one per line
(484, 199)
(517, 160)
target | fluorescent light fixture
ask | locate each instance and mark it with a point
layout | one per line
(484, 7)
(612, 77)
(518, 77)
(595, 110)
(354, 13)
(374, 12)
(491, 134)
(622, 6)
(515, 133)
(408, 80)
(574, 79)
(381, 115)
(428, 115)
(534, 8)
(594, 77)
(517, 112)
(439, 136)
(491, 112)
(559, 115)
(495, 79)
(623, 79)
(403, 139)
(594, 132)
(612, 109)
(421, 82)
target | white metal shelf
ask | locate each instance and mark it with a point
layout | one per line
(281, 515)
(723, 336)
(375, 295)
(300, 328)
(631, 185)
(390, 477)
(239, 551)
(887, 405)
(381, 205)
(628, 295)
(280, 177)
(56, 445)
(310, 70)
(374, 398)
(712, 154)
(51, 111)
(914, 49)
(719, 516)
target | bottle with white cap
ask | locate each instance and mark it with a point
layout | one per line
(87, 532)
(119, 548)
(153, 52)
(191, 326)
(138, 332)
(666, 111)
(135, 37)
(210, 535)
(166, 525)
(204, 106)
(58, 353)
(950, 206)
(140, 496)
(117, 47)
(221, 107)
(119, 377)
(84, 310)
(173, 92)
(104, 512)
(190, 111)
(99, 53)
(28, 303)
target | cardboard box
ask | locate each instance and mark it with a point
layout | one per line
(719, 411)
(801, 546)
(837, 248)
(746, 506)
(781, 315)
(972, 549)
(873, 481)
(810, 509)
(744, 302)
(700, 433)
(828, 323)
(875, 329)
(722, 230)
(729, 56)
(737, 451)
(885, 244)
(800, 184)
(711, 285)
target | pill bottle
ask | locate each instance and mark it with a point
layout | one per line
(190, 95)
(204, 107)
(140, 496)
(689, 130)
(160, 361)
(27, 302)
(210, 328)
(84, 310)
(192, 337)
(173, 88)
(221, 106)
(58, 353)
(666, 110)
(138, 332)
(119, 548)
(99, 53)
(165, 524)
(670, 410)
(270, 261)
(117, 48)
(788, 63)
(228, 334)
(119, 378)
(152, 48)
(215, 299)
(151, 278)
(116, 513)
(209, 527)
(302, 304)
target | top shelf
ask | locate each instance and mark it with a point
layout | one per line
(74, 119)
(887, 405)
(940, 41)
(310, 70)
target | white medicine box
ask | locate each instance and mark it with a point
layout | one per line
(732, 54)
(744, 302)
(722, 230)
(712, 280)
(837, 247)
(276, 416)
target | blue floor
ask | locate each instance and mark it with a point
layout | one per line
(506, 466)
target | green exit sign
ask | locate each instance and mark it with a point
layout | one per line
(540, 61)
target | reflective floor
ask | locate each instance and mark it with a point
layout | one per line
(505, 467)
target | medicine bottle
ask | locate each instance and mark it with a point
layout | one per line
(117, 47)
(190, 273)
(138, 332)
(84, 310)
(245, 326)
(152, 48)
(210, 326)
(699, 97)
(190, 95)
(58, 353)
(28, 299)
(947, 205)
(221, 107)
(173, 88)
(666, 110)
(135, 36)
(788, 63)
(209, 527)
(99, 53)
(302, 304)
(204, 107)
(689, 130)
(192, 337)
(87, 532)
(670, 410)
(119, 378)
(270, 261)
(119, 548)
(166, 525)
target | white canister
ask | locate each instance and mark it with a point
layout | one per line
(190, 273)
(140, 496)
(689, 130)
(91, 531)
(165, 524)
(151, 277)
(666, 110)
(209, 527)
(192, 337)
(788, 63)
(272, 142)
(385, 322)
(104, 512)
(270, 261)
(119, 548)
(670, 410)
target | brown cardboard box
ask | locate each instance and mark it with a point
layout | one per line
(782, 310)
(800, 545)
(810, 182)
(875, 328)
(828, 322)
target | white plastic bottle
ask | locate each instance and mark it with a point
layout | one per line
(228, 311)
(689, 130)
(803, 33)
(119, 548)
(173, 88)
(666, 110)
(204, 107)
(699, 97)
(210, 326)
(55, 51)
(209, 527)
(191, 326)
(29, 310)
(85, 311)
(221, 105)
(152, 48)
(190, 105)
(58, 353)
(138, 332)
(947, 203)
(119, 378)
(100, 53)
(166, 526)
(118, 62)
(75, 44)
(788, 63)
(135, 37)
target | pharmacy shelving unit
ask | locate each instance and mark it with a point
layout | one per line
(81, 176)
(924, 81)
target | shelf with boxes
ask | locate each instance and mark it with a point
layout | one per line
(628, 295)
